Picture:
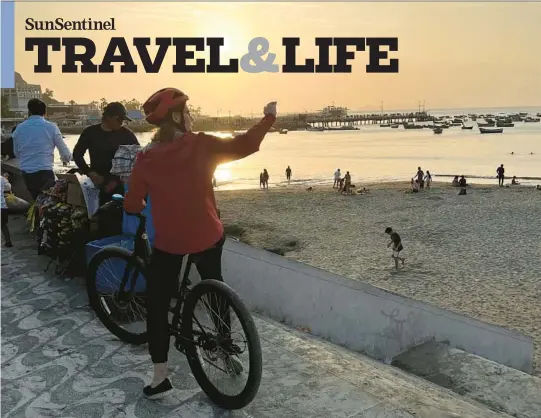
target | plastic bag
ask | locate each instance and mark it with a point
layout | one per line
(16, 204)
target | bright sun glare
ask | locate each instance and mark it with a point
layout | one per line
(223, 172)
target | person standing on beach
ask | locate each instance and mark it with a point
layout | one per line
(34, 142)
(186, 221)
(396, 242)
(420, 177)
(102, 141)
(288, 174)
(265, 179)
(337, 178)
(261, 181)
(347, 182)
(428, 179)
(501, 175)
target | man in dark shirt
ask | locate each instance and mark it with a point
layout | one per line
(288, 174)
(500, 170)
(396, 242)
(102, 142)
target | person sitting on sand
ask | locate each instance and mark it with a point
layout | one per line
(396, 242)
(428, 179)
(337, 178)
(462, 182)
(455, 183)
(415, 187)
(514, 181)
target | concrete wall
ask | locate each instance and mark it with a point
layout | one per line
(357, 315)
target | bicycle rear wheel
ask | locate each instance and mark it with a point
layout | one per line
(212, 345)
(123, 313)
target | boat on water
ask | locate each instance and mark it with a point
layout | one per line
(394, 126)
(412, 126)
(283, 131)
(491, 130)
(529, 119)
(467, 127)
(343, 128)
(485, 124)
(505, 124)
(315, 128)
(438, 130)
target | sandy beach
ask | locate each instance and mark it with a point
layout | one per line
(478, 254)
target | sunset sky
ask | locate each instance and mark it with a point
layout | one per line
(451, 55)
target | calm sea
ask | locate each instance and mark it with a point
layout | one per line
(375, 154)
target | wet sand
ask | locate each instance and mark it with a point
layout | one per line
(478, 254)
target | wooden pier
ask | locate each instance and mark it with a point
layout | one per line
(368, 119)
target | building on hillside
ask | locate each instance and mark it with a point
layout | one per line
(137, 116)
(19, 96)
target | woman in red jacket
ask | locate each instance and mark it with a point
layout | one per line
(176, 172)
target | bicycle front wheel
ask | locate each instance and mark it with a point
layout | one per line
(116, 290)
(222, 344)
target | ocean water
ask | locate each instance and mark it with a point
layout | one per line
(375, 154)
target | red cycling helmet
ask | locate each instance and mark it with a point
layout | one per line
(158, 106)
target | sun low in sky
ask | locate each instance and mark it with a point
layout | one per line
(451, 55)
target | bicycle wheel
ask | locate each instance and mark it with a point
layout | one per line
(208, 327)
(122, 313)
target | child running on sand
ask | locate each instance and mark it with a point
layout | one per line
(396, 242)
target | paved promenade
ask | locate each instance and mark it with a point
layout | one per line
(58, 361)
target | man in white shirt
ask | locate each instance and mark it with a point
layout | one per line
(337, 176)
(34, 142)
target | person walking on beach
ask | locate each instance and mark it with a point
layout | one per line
(186, 222)
(501, 175)
(34, 142)
(265, 179)
(288, 174)
(428, 179)
(102, 141)
(396, 242)
(420, 177)
(6, 187)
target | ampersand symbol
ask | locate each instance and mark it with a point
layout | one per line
(252, 62)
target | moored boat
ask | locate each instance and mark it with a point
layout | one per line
(394, 126)
(438, 130)
(283, 131)
(500, 124)
(491, 130)
(467, 127)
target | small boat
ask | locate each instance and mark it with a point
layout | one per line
(467, 127)
(528, 119)
(438, 130)
(491, 130)
(283, 131)
(394, 126)
(505, 124)
(412, 126)
(315, 129)
(485, 125)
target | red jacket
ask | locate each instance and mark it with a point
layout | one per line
(177, 176)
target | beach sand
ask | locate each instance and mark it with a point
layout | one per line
(478, 254)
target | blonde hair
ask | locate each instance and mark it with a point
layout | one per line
(165, 133)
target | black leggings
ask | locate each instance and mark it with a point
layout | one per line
(163, 284)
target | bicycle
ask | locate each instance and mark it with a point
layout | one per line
(218, 345)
